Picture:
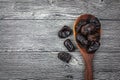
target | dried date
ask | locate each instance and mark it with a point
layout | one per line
(94, 37)
(94, 45)
(88, 29)
(96, 22)
(66, 57)
(69, 45)
(65, 32)
(81, 23)
(81, 39)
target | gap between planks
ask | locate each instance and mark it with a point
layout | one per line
(63, 19)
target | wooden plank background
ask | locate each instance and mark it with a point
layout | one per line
(29, 43)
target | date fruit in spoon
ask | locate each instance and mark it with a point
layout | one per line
(87, 32)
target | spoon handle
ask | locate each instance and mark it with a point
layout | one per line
(89, 68)
(88, 72)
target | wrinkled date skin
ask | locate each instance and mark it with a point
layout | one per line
(81, 39)
(65, 57)
(94, 45)
(69, 45)
(96, 22)
(88, 29)
(93, 37)
(65, 32)
(88, 34)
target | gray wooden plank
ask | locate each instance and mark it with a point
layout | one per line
(98, 76)
(38, 35)
(46, 66)
(58, 9)
(13, 61)
(108, 8)
(10, 61)
(35, 65)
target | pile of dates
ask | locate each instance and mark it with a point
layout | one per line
(88, 37)
(65, 32)
(88, 34)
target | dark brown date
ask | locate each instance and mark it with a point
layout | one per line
(81, 39)
(81, 23)
(69, 45)
(94, 45)
(96, 22)
(94, 37)
(65, 57)
(65, 32)
(88, 29)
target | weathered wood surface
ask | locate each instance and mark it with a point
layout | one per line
(46, 65)
(27, 47)
(29, 43)
(58, 9)
(38, 35)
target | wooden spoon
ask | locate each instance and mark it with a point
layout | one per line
(88, 57)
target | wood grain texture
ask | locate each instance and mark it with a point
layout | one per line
(58, 9)
(29, 43)
(46, 65)
(38, 35)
